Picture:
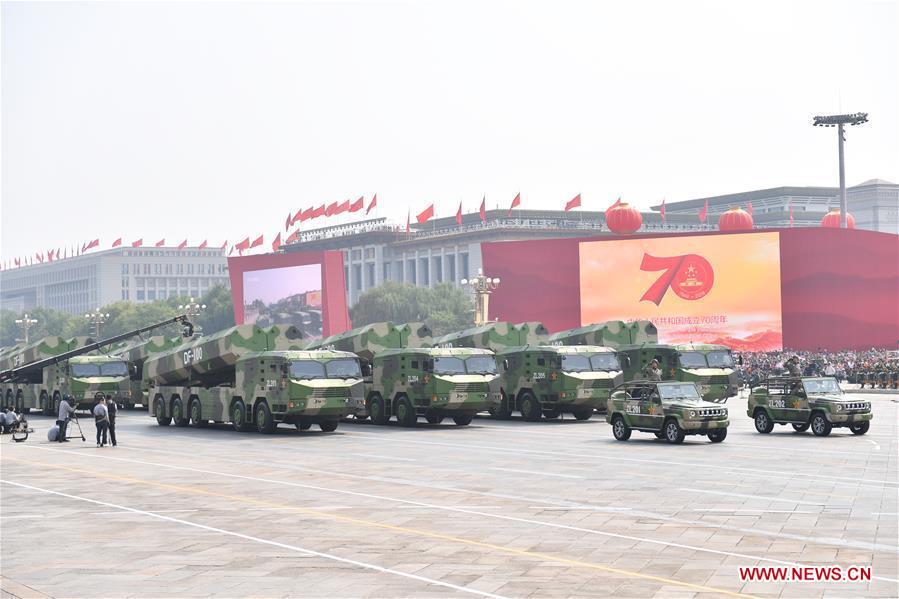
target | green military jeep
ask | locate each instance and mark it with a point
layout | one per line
(816, 402)
(669, 409)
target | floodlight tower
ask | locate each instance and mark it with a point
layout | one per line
(97, 319)
(25, 323)
(482, 286)
(838, 121)
(192, 309)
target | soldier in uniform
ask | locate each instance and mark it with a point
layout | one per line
(792, 366)
(652, 371)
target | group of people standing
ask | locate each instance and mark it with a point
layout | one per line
(104, 417)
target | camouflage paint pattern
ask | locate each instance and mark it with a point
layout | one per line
(790, 400)
(716, 384)
(633, 402)
(366, 341)
(136, 353)
(613, 333)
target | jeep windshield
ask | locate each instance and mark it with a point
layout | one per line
(674, 392)
(692, 359)
(822, 385)
(720, 359)
(100, 369)
(605, 362)
(449, 365)
(481, 365)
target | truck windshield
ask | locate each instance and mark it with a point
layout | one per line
(576, 363)
(720, 359)
(343, 369)
(671, 392)
(85, 369)
(692, 359)
(481, 365)
(605, 362)
(113, 369)
(822, 385)
(307, 369)
(449, 365)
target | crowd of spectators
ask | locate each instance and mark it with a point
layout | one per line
(846, 366)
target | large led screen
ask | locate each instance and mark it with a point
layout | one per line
(704, 289)
(287, 295)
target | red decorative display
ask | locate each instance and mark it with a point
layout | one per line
(832, 219)
(735, 219)
(623, 219)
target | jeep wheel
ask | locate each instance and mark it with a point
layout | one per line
(463, 419)
(584, 414)
(530, 407)
(377, 409)
(434, 418)
(820, 426)
(265, 423)
(328, 426)
(620, 430)
(800, 428)
(405, 412)
(763, 423)
(674, 433)
(861, 428)
(718, 436)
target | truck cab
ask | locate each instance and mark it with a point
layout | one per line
(86, 379)
(711, 367)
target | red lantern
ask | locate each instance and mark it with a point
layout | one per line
(623, 219)
(832, 219)
(735, 219)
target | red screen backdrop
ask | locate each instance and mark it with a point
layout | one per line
(839, 288)
(306, 289)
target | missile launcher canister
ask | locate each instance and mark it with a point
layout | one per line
(613, 333)
(136, 353)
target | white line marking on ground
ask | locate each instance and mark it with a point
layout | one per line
(754, 531)
(723, 510)
(874, 443)
(381, 457)
(230, 533)
(25, 516)
(553, 474)
(586, 507)
(746, 496)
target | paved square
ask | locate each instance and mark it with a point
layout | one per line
(497, 509)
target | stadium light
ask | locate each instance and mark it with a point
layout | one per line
(97, 319)
(482, 286)
(839, 121)
(25, 323)
(192, 309)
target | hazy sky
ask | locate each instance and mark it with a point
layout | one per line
(216, 119)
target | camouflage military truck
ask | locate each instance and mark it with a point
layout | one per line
(408, 380)
(136, 353)
(613, 333)
(670, 410)
(252, 378)
(806, 402)
(85, 377)
(538, 379)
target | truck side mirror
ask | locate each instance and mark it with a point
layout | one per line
(625, 360)
(505, 364)
(366, 370)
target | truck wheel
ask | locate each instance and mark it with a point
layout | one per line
(405, 413)
(800, 428)
(530, 407)
(718, 436)
(20, 404)
(178, 413)
(433, 418)
(303, 426)
(551, 414)
(503, 411)
(584, 414)
(239, 416)
(820, 426)
(620, 430)
(861, 428)
(265, 424)
(763, 423)
(159, 410)
(328, 426)
(674, 433)
(463, 419)
(377, 410)
(44, 402)
(196, 414)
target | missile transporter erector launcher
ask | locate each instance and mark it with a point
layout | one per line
(541, 379)
(136, 354)
(252, 378)
(711, 367)
(407, 379)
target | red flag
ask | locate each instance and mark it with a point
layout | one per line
(256, 242)
(374, 202)
(459, 214)
(483, 210)
(83, 248)
(138, 243)
(182, 245)
(94, 243)
(203, 245)
(343, 207)
(749, 208)
(243, 245)
(294, 237)
(320, 211)
(50, 256)
(704, 212)
(117, 242)
(425, 214)
(160, 243)
(39, 257)
(573, 202)
(408, 214)
(662, 210)
(516, 202)
(306, 214)
(332, 207)
(277, 242)
(358, 204)
(297, 216)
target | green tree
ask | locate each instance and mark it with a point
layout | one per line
(444, 308)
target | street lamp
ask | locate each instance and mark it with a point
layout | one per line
(838, 121)
(25, 323)
(97, 319)
(192, 309)
(482, 286)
